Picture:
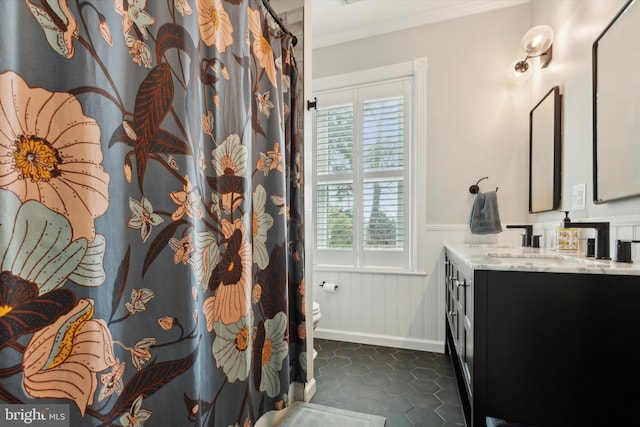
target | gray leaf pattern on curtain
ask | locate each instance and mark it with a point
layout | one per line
(151, 233)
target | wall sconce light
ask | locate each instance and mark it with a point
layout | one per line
(537, 42)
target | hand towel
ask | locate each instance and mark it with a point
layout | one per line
(485, 218)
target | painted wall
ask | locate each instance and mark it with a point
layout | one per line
(476, 120)
(576, 24)
(477, 126)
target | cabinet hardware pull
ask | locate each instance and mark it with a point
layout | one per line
(460, 284)
(453, 313)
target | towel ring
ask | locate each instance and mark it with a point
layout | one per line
(474, 189)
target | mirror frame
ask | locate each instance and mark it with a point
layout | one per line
(554, 97)
(615, 134)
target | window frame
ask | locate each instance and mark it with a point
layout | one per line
(359, 258)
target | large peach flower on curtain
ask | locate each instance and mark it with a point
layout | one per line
(62, 360)
(232, 277)
(261, 46)
(50, 152)
(214, 23)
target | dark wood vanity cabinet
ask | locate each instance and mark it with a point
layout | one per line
(545, 349)
(459, 309)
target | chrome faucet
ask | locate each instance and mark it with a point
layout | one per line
(602, 236)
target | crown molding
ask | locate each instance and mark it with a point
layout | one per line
(430, 16)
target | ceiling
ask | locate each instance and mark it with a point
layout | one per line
(339, 21)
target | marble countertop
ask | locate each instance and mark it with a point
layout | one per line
(498, 257)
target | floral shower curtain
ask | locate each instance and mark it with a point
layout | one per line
(151, 240)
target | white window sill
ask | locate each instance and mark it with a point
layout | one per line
(367, 270)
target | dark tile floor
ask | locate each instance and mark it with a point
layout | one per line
(407, 387)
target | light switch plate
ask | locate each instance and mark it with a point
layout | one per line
(579, 197)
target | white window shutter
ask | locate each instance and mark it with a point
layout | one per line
(361, 141)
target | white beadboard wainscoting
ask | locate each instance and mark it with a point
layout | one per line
(393, 310)
(406, 310)
(402, 310)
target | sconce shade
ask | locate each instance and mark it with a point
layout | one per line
(519, 71)
(537, 40)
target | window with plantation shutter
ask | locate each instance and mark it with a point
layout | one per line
(383, 168)
(362, 143)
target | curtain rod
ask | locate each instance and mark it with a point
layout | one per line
(276, 18)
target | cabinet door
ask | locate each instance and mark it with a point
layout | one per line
(562, 349)
(467, 330)
(458, 284)
(452, 301)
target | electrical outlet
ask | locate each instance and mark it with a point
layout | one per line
(579, 197)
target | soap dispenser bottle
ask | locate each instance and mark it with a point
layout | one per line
(566, 236)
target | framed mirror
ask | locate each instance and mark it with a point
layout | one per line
(616, 107)
(544, 153)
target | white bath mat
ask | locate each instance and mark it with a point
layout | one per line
(302, 414)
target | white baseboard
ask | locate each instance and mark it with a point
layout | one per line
(382, 340)
(309, 389)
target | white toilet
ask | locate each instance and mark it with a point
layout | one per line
(316, 318)
(316, 315)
